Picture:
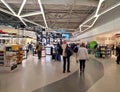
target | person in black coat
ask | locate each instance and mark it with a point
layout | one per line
(66, 58)
(58, 52)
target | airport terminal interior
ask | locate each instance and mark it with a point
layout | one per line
(45, 43)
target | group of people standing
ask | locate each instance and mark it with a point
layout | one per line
(81, 54)
(66, 51)
(34, 49)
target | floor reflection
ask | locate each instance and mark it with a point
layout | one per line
(24, 63)
(48, 58)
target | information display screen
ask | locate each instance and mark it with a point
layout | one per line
(65, 36)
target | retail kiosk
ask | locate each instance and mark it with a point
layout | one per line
(10, 56)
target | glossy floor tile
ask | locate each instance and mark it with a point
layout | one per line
(33, 74)
(78, 81)
(110, 82)
(45, 75)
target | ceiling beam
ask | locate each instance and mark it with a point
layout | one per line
(33, 22)
(61, 2)
(67, 11)
(5, 11)
(94, 21)
(12, 11)
(21, 7)
(85, 25)
(22, 20)
(31, 14)
(43, 14)
(87, 20)
(8, 7)
(12, 15)
(70, 12)
(116, 5)
(95, 16)
(68, 2)
(59, 20)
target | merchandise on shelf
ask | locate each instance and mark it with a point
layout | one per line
(15, 47)
(20, 55)
(13, 55)
(10, 57)
(103, 51)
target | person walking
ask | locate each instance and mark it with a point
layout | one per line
(27, 50)
(83, 56)
(33, 49)
(75, 49)
(39, 50)
(66, 57)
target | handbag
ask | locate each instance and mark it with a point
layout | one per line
(35, 52)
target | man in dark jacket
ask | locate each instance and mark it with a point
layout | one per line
(58, 52)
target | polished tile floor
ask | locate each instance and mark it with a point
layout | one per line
(77, 81)
(45, 75)
(33, 74)
(110, 82)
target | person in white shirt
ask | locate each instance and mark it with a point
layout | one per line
(83, 56)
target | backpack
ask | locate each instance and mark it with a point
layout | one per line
(68, 52)
(60, 50)
(75, 49)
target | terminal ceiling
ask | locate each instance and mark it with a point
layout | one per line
(54, 14)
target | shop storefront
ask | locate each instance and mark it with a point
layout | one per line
(107, 44)
(108, 39)
(13, 46)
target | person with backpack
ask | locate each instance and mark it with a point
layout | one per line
(66, 57)
(118, 53)
(75, 49)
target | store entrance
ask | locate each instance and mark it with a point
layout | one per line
(107, 43)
